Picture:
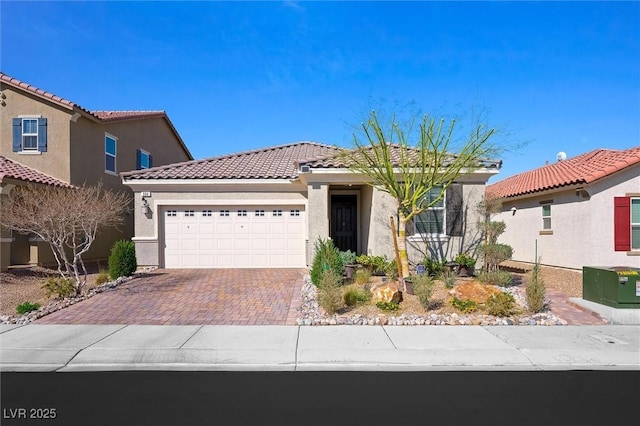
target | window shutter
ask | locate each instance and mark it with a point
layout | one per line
(138, 159)
(42, 134)
(455, 215)
(622, 223)
(150, 161)
(17, 134)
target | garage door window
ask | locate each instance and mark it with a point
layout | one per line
(207, 213)
(224, 213)
(172, 213)
(189, 213)
(295, 213)
(277, 213)
(259, 213)
(242, 213)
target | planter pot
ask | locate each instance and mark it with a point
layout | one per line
(350, 271)
(465, 271)
(408, 286)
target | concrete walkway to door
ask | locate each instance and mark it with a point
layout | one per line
(193, 297)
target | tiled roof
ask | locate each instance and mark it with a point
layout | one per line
(278, 162)
(126, 115)
(580, 170)
(11, 169)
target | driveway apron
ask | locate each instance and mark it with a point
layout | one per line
(193, 297)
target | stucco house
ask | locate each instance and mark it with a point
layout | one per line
(45, 135)
(581, 211)
(267, 207)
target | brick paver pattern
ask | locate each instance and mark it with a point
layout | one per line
(192, 297)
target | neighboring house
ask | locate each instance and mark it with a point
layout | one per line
(46, 134)
(582, 211)
(266, 208)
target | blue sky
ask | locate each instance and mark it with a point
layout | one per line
(561, 76)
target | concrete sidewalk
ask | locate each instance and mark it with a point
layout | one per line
(67, 348)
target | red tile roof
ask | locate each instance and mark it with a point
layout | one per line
(278, 162)
(12, 170)
(126, 115)
(580, 170)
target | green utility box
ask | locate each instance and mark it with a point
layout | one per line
(617, 286)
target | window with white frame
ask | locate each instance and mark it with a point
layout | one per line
(172, 213)
(189, 213)
(224, 213)
(277, 213)
(242, 213)
(546, 217)
(29, 134)
(635, 224)
(295, 213)
(110, 151)
(432, 220)
(207, 213)
(259, 213)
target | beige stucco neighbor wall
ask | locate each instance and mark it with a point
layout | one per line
(582, 227)
(317, 215)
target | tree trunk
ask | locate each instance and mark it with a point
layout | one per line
(402, 244)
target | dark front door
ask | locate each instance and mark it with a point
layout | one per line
(344, 222)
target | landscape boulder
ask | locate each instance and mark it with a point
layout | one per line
(387, 292)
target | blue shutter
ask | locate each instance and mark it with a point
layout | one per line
(17, 134)
(150, 161)
(42, 134)
(138, 159)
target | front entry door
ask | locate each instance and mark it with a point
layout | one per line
(344, 222)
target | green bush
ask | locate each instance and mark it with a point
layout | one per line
(377, 265)
(434, 267)
(499, 278)
(388, 306)
(348, 257)
(465, 260)
(122, 261)
(466, 306)
(60, 287)
(535, 290)
(495, 254)
(423, 288)
(362, 276)
(330, 291)
(353, 295)
(501, 304)
(326, 258)
(103, 277)
(27, 307)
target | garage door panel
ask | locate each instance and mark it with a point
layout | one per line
(242, 237)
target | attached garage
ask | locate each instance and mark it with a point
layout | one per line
(244, 236)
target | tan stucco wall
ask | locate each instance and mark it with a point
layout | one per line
(55, 161)
(582, 228)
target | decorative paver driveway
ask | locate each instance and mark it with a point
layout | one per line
(195, 296)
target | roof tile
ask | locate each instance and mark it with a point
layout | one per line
(13, 170)
(583, 169)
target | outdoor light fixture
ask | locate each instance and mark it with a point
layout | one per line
(145, 206)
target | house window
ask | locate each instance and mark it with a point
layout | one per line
(207, 213)
(295, 213)
(143, 160)
(635, 224)
(242, 213)
(172, 213)
(277, 213)
(110, 148)
(259, 213)
(224, 213)
(431, 221)
(29, 134)
(189, 213)
(546, 216)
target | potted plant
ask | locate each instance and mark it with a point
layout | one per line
(466, 264)
(348, 259)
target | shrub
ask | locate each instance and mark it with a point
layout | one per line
(329, 291)
(433, 267)
(27, 307)
(388, 306)
(103, 277)
(501, 304)
(353, 295)
(423, 288)
(466, 306)
(122, 261)
(465, 260)
(377, 265)
(348, 257)
(495, 254)
(535, 290)
(499, 278)
(60, 287)
(362, 276)
(391, 269)
(326, 258)
(448, 277)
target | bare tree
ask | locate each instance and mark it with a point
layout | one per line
(409, 171)
(68, 218)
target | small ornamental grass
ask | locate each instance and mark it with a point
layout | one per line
(354, 295)
(501, 305)
(535, 290)
(423, 288)
(103, 277)
(27, 307)
(330, 291)
(388, 306)
(362, 277)
(59, 287)
(499, 278)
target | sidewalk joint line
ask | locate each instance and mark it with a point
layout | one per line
(88, 346)
(295, 360)
(486, 328)
(389, 337)
(191, 337)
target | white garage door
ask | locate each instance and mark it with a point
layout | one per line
(234, 237)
